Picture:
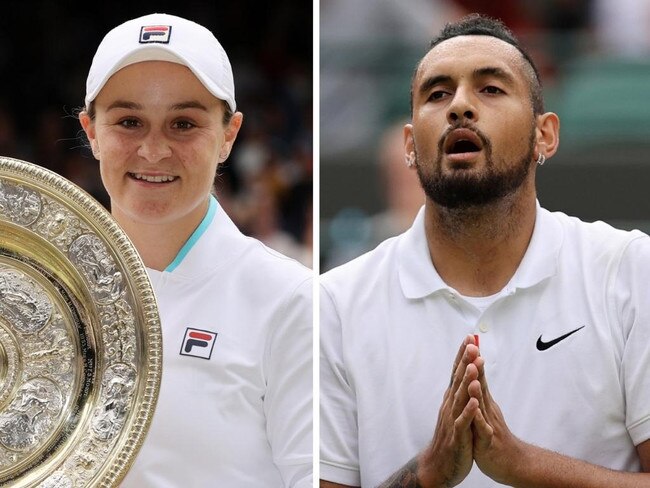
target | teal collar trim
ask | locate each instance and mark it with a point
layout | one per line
(196, 235)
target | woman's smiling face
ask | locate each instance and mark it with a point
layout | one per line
(159, 136)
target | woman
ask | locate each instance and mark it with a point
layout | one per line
(235, 405)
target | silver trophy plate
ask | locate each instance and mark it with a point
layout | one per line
(80, 337)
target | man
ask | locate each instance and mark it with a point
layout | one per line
(551, 383)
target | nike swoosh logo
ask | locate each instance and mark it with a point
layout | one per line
(543, 346)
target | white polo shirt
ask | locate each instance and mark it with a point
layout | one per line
(390, 329)
(235, 405)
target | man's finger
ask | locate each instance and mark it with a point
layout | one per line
(461, 395)
(457, 360)
(483, 432)
(467, 415)
(486, 400)
(478, 388)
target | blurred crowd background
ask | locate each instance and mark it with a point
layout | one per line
(46, 49)
(594, 57)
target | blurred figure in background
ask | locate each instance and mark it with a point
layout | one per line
(261, 218)
(400, 185)
(351, 231)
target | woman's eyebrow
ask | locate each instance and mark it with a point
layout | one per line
(124, 104)
(189, 104)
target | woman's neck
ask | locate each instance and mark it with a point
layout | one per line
(159, 241)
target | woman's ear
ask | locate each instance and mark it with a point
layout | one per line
(230, 135)
(88, 125)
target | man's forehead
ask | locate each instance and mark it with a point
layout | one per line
(470, 51)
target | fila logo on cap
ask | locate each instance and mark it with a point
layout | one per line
(155, 34)
(198, 343)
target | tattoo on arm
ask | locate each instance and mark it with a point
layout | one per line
(406, 477)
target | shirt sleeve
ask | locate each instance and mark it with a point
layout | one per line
(632, 298)
(288, 402)
(339, 452)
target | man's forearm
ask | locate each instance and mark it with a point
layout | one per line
(405, 477)
(423, 472)
(541, 468)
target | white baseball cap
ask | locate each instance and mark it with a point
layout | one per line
(162, 37)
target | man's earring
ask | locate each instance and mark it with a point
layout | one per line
(410, 161)
(541, 159)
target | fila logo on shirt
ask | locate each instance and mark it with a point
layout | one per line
(155, 34)
(198, 343)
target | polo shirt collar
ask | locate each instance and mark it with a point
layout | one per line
(417, 274)
(196, 235)
(419, 278)
(215, 241)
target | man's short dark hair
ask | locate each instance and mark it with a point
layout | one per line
(481, 25)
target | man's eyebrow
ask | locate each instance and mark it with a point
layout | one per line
(189, 104)
(433, 81)
(494, 72)
(124, 104)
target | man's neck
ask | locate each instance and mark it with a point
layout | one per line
(477, 250)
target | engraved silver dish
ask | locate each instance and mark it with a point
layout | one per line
(80, 337)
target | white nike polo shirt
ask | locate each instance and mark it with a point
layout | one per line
(565, 345)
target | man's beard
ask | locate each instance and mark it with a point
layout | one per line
(463, 189)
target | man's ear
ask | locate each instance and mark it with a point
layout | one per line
(409, 146)
(547, 134)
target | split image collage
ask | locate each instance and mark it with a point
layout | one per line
(347, 243)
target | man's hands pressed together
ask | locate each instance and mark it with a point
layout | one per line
(470, 428)
(449, 457)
